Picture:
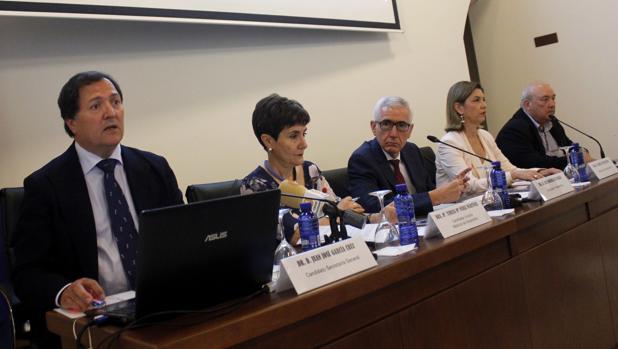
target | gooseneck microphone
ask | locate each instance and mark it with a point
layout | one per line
(553, 117)
(292, 194)
(436, 140)
(350, 217)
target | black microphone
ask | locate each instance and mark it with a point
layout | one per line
(436, 140)
(349, 217)
(553, 117)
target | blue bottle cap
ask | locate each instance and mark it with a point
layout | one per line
(401, 188)
(305, 206)
(496, 164)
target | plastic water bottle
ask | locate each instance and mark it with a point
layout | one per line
(499, 184)
(576, 155)
(309, 229)
(404, 205)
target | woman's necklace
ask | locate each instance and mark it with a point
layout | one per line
(275, 174)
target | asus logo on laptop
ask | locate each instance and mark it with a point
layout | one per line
(216, 236)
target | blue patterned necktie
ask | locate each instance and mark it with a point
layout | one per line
(120, 219)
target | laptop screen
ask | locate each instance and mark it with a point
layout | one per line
(201, 254)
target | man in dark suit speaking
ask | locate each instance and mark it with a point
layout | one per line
(389, 159)
(533, 136)
(76, 238)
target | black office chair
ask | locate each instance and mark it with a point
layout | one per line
(338, 180)
(7, 326)
(429, 161)
(10, 203)
(209, 191)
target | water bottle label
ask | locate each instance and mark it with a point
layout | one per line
(577, 160)
(309, 231)
(408, 234)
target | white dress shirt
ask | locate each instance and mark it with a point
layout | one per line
(549, 142)
(111, 272)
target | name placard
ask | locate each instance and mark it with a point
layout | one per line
(603, 168)
(456, 219)
(550, 187)
(312, 269)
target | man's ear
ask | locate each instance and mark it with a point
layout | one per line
(373, 124)
(70, 124)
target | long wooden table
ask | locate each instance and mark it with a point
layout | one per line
(546, 277)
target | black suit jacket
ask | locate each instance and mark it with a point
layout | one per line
(369, 170)
(520, 141)
(55, 239)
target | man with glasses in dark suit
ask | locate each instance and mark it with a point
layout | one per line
(389, 159)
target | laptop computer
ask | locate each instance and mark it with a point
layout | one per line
(198, 255)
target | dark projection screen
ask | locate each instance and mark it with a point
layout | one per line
(370, 15)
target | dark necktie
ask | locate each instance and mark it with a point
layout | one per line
(398, 175)
(120, 219)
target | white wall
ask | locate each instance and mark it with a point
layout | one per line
(190, 89)
(581, 66)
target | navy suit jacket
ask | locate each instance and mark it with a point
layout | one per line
(56, 240)
(520, 141)
(369, 170)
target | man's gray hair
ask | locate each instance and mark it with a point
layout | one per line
(527, 92)
(388, 102)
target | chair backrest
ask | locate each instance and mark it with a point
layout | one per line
(209, 191)
(338, 180)
(429, 160)
(7, 325)
(10, 203)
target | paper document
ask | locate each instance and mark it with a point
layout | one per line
(368, 233)
(392, 251)
(115, 298)
(500, 213)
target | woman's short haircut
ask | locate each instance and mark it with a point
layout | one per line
(458, 93)
(68, 100)
(274, 113)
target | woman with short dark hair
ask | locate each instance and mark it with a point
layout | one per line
(280, 125)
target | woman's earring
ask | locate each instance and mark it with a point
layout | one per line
(270, 149)
(461, 117)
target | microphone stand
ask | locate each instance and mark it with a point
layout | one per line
(337, 233)
(582, 132)
(435, 139)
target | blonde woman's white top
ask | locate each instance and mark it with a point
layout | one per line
(450, 161)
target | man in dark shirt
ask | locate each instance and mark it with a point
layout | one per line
(533, 136)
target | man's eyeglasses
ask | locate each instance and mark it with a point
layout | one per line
(387, 125)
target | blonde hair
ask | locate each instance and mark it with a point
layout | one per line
(458, 93)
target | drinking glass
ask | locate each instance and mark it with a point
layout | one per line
(284, 250)
(385, 231)
(491, 201)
